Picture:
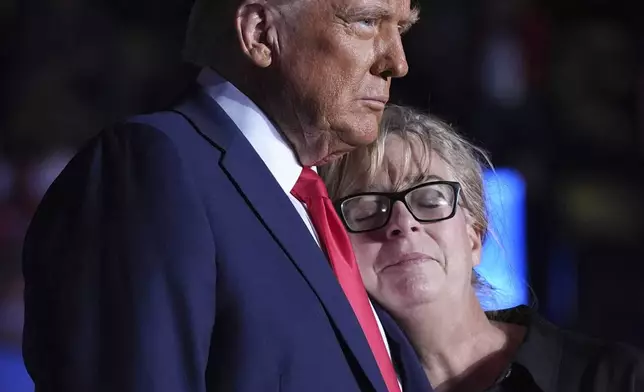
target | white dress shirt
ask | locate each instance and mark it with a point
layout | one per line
(267, 142)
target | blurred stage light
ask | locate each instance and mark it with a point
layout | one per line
(504, 263)
(13, 375)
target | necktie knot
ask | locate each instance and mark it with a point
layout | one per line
(309, 186)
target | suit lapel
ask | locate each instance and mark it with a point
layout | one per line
(274, 209)
(411, 373)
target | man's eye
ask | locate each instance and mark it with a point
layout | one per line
(368, 22)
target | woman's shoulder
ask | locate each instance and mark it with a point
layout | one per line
(566, 360)
(606, 353)
(592, 364)
(578, 344)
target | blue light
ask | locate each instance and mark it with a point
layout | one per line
(13, 375)
(503, 262)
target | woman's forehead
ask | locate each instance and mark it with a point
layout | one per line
(408, 163)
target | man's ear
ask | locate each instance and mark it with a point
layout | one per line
(256, 30)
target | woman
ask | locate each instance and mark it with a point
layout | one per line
(414, 206)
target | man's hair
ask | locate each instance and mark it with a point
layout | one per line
(209, 24)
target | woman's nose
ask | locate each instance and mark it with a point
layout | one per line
(401, 222)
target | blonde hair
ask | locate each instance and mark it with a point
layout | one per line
(466, 161)
(359, 168)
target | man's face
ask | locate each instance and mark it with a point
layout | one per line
(335, 63)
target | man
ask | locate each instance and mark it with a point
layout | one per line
(175, 252)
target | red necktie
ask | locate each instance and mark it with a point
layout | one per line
(311, 191)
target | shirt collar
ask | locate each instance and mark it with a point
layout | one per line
(260, 132)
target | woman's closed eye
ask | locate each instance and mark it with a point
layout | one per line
(365, 213)
(364, 210)
(432, 203)
(430, 199)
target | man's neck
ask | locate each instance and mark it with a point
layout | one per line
(460, 349)
(312, 144)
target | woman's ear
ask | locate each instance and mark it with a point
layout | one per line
(476, 241)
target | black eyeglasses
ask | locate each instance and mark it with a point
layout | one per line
(428, 202)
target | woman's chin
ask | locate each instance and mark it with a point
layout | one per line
(411, 291)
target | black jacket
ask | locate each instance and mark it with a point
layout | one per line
(553, 360)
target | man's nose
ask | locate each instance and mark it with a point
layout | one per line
(392, 62)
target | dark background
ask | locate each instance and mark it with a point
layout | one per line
(552, 88)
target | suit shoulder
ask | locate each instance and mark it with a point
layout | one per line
(170, 128)
(159, 127)
(160, 135)
(162, 122)
(140, 147)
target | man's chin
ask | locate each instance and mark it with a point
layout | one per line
(364, 131)
(349, 136)
(330, 158)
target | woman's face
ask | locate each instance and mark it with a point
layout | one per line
(407, 263)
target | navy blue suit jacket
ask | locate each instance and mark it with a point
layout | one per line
(166, 257)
